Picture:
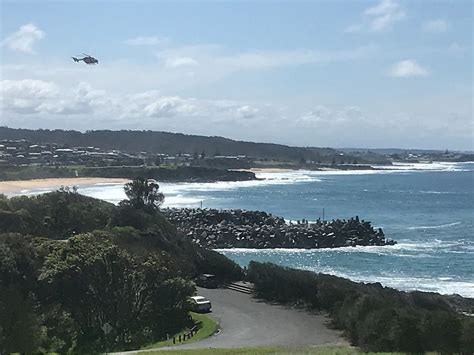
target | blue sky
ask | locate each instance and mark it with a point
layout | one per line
(382, 73)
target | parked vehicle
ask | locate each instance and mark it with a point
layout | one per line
(207, 281)
(201, 304)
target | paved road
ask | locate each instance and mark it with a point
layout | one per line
(245, 321)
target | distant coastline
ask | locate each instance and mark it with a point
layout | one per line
(15, 187)
(168, 174)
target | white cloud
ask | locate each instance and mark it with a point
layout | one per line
(83, 100)
(435, 26)
(407, 68)
(379, 17)
(36, 96)
(318, 115)
(24, 96)
(47, 99)
(384, 15)
(180, 62)
(28, 88)
(247, 111)
(145, 41)
(24, 39)
(169, 106)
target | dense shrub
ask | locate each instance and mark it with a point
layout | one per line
(56, 215)
(19, 326)
(374, 318)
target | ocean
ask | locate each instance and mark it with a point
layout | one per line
(427, 208)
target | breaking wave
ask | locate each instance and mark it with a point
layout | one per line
(435, 227)
(444, 285)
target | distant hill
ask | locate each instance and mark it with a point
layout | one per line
(171, 143)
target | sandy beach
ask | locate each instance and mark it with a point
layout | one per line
(17, 186)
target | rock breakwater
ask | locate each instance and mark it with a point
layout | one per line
(220, 229)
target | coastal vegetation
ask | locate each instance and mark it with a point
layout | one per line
(373, 317)
(143, 194)
(82, 275)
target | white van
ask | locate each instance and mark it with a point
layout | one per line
(201, 304)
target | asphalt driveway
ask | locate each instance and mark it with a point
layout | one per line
(245, 322)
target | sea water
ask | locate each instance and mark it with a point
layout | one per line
(427, 208)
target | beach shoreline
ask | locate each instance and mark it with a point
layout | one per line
(14, 187)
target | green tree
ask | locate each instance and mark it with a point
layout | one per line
(19, 326)
(97, 282)
(144, 194)
(467, 337)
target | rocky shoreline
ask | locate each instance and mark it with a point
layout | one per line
(222, 229)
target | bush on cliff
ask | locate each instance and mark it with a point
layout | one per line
(85, 282)
(55, 215)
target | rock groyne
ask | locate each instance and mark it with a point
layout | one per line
(220, 229)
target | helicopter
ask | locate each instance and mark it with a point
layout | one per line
(88, 59)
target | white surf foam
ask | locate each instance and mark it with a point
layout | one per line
(435, 227)
(114, 193)
(446, 285)
(397, 168)
(437, 192)
(432, 166)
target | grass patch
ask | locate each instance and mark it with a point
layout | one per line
(209, 326)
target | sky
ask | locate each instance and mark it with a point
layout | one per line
(342, 73)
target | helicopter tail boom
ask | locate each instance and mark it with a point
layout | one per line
(75, 59)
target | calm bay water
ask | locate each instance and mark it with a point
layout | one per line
(427, 208)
